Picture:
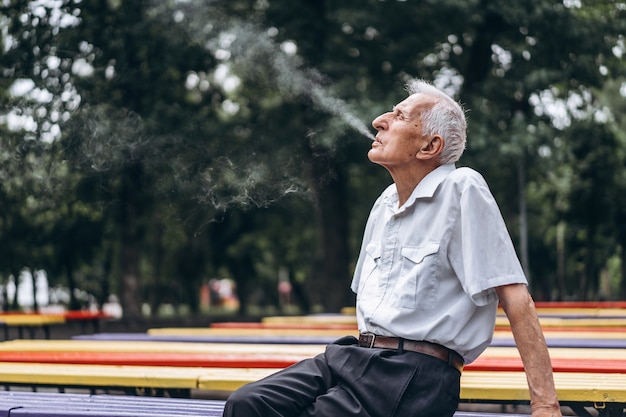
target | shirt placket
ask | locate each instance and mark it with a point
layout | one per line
(390, 248)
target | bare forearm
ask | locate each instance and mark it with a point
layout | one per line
(531, 345)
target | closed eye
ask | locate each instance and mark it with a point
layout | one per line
(398, 114)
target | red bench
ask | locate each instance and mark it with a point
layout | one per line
(241, 360)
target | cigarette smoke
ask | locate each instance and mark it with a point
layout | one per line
(218, 181)
(246, 45)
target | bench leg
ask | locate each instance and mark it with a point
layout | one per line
(612, 410)
(604, 409)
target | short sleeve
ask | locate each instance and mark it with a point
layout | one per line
(481, 251)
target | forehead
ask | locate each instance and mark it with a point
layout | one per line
(416, 102)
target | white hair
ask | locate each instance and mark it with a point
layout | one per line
(445, 118)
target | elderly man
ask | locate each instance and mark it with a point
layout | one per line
(435, 260)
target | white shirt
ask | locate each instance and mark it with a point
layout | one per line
(427, 270)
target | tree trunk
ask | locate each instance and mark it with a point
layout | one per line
(623, 270)
(71, 282)
(330, 279)
(560, 260)
(33, 278)
(14, 304)
(130, 239)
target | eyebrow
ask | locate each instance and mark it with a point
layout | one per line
(399, 110)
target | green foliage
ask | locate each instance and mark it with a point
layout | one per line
(167, 143)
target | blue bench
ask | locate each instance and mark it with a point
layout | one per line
(567, 343)
(316, 340)
(47, 404)
(255, 339)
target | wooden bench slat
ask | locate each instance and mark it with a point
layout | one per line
(199, 338)
(313, 319)
(259, 325)
(147, 346)
(613, 343)
(40, 404)
(233, 331)
(573, 312)
(30, 319)
(569, 333)
(501, 321)
(261, 349)
(600, 388)
(206, 360)
(100, 375)
(475, 385)
(278, 360)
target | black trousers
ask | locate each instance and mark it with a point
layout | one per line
(348, 380)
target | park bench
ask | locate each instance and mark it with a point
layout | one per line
(255, 332)
(347, 328)
(569, 343)
(605, 392)
(584, 338)
(552, 307)
(581, 304)
(585, 360)
(87, 318)
(248, 360)
(501, 321)
(614, 342)
(149, 347)
(28, 323)
(325, 319)
(261, 349)
(583, 387)
(44, 404)
(198, 338)
(246, 331)
(47, 404)
(259, 325)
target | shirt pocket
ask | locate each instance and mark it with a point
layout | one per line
(368, 286)
(417, 284)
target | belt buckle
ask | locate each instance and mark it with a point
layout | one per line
(368, 340)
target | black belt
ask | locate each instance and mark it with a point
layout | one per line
(449, 356)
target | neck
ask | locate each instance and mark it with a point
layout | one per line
(406, 181)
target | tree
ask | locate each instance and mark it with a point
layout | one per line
(188, 140)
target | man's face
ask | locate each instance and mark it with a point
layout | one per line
(399, 136)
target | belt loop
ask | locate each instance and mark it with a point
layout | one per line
(400, 345)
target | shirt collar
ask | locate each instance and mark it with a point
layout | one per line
(425, 189)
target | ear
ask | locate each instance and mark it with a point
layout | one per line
(431, 148)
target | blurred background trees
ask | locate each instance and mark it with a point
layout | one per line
(149, 148)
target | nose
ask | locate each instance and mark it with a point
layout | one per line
(380, 123)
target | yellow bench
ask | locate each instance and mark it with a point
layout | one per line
(313, 319)
(571, 387)
(501, 321)
(144, 346)
(210, 331)
(261, 349)
(547, 322)
(30, 322)
(600, 390)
